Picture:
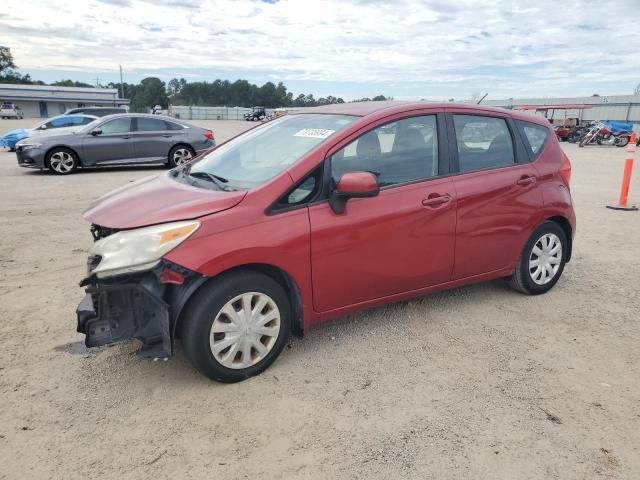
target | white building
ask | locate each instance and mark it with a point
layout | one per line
(48, 101)
(623, 108)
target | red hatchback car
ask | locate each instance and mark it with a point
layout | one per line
(318, 214)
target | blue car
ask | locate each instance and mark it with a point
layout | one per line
(58, 125)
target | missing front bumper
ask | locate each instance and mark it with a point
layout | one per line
(114, 313)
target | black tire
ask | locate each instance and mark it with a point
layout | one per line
(68, 158)
(622, 142)
(205, 306)
(174, 159)
(522, 279)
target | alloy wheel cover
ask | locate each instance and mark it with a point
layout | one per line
(181, 156)
(61, 162)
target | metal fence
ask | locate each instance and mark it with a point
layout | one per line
(209, 113)
(215, 113)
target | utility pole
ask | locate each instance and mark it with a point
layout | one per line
(97, 79)
(121, 84)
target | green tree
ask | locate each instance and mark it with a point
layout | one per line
(8, 69)
(7, 64)
(71, 83)
(149, 93)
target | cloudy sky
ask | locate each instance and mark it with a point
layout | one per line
(431, 49)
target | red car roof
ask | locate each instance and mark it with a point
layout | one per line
(363, 109)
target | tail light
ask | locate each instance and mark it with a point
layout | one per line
(208, 134)
(565, 171)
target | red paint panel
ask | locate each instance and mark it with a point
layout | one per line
(496, 215)
(157, 199)
(280, 241)
(382, 245)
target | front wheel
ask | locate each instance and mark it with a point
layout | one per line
(236, 326)
(62, 161)
(542, 260)
(180, 154)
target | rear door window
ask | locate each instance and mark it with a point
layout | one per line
(483, 142)
(535, 135)
(146, 124)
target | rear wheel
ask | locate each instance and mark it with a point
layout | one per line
(236, 326)
(62, 161)
(622, 141)
(542, 260)
(180, 154)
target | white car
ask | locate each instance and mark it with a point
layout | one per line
(52, 126)
(10, 110)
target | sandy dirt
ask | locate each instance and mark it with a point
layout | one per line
(477, 382)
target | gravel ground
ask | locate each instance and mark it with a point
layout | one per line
(477, 382)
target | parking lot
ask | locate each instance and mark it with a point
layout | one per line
(476, 382)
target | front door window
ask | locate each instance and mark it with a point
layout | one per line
(398, 152)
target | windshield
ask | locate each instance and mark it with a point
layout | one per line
(262, 153)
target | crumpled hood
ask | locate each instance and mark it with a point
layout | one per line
(157, 199)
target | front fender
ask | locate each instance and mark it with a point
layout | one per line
(280, 241)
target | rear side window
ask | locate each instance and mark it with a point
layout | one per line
(535, 135)
(397, 152)
(146, 124)
(174, 126)
(483, 142)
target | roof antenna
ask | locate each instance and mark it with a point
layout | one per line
(483, 97)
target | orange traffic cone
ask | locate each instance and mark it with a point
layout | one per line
(626, 178)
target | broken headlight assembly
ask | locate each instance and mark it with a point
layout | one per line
(139, 249)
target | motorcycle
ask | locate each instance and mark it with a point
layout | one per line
(607, 133)
(577, 133)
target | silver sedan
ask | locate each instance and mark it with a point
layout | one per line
(121, 139)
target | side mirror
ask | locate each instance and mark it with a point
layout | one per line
(353, 185)
(96, 131)
(43, 127)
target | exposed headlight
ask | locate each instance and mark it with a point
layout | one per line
(139, 249)
(28, 146)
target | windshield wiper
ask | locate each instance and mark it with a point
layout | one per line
(216, 179)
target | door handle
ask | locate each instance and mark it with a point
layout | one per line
(127, 137)
(435, 200)
(167, 135)
(526, 180)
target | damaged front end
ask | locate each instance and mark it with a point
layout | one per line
(144, 305)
